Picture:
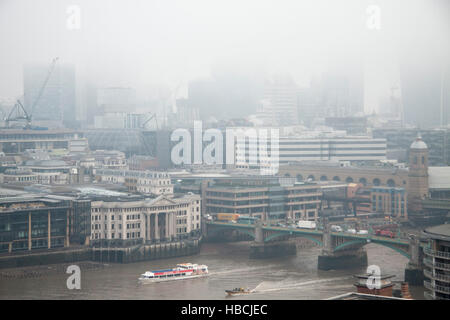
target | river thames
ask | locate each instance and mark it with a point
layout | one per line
(294, 277)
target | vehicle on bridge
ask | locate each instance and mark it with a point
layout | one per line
(303, 224)
(385, 233)
(246, 220)
(391, 226)
(227, 217)
(335, 228)
(362, 232)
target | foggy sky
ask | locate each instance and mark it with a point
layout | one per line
(141, 43)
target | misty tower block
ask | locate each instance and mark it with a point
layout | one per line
(418, 174)
(58, 101)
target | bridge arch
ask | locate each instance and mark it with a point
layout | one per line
(279, 234)
(246, 231)
(365, 242)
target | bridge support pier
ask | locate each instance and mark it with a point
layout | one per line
(414, 271)
(352, 257)
(264, 250)
(342, 260)
(267, 250)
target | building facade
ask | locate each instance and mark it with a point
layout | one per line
(266, 199)
(418, 174)
(280, 101)
(58, 100)
(148, 220)
(294, 149)
(32, 222)
(437, 262)
(146, 182)
(13, 141)
(390, 201)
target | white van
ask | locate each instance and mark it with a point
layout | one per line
(302, 224)
(336, 228)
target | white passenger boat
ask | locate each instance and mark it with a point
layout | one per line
(181, 271)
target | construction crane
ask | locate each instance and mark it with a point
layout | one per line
(18, 112)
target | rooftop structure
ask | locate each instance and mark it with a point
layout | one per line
(13, 141)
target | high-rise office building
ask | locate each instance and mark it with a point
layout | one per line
(280, 100)
(116, 99)
(425, 94)
(58, 100)
(339, 94)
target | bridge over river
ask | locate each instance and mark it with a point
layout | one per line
(339, 249)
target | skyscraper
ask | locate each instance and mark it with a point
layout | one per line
(280, 97)
(425, 93)
(58, 100)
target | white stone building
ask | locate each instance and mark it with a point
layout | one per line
(161, 218)
(146, 182)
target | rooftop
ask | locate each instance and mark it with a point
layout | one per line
(439, 177)
(362, 296)
(441, 232)
(418, 144)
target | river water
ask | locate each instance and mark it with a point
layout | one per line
(293, 277)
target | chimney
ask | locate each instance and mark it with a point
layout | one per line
(405, 291)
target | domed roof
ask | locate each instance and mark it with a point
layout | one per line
(418, 144)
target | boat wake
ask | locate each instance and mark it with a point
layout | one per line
(268, 286)
(243, 270)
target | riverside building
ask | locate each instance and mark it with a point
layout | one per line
(437, 262)
(135, 218)
(29, 222)
(146, 182)
(266, 198)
